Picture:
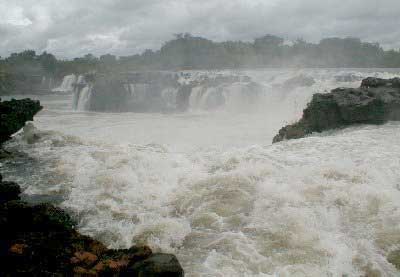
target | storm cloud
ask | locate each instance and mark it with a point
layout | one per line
(70, 28)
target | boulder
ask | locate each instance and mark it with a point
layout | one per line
(375, 102)
(14, 114)
(157, 265)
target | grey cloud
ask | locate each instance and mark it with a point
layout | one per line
(71, 28)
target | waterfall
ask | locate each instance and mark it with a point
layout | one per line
(135, 94)
(67, 84)
(83, 98)
(82, 92)
(195, 97)
(169, 97)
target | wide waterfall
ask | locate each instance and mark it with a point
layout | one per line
(164, 92)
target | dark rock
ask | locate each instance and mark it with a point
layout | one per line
(372, 82)
(9, 191)
(394, 258)
(40, 240)
(375, 102)
(48, 217)
(157, 265)
(114, 93)
(83, 257)
(14, 114)
(297, 81)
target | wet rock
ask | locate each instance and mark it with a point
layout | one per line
(297, 81)
(14, 114)
(372, 82)
(40, 240)
(83, 257)
(48, 217)
(394, 258)
(157, 265)
(18, 249)
(81, 271)
(9, 191)
(375, 102)
(5, 154)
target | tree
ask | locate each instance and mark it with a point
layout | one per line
(48, 62)
(108, 59)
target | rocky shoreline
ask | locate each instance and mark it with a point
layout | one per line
(41, 240)
(376, 101)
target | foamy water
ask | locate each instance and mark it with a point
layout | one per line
(210, 187)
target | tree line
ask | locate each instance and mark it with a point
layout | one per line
(190, 52)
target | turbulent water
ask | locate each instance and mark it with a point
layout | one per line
(210, 187)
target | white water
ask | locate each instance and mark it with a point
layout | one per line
(67, 84)
(210, 187)
(84, 97)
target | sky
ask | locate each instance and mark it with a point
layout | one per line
(73, 28)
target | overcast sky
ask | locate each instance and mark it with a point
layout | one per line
(70, 28)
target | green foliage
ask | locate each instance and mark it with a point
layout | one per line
(189, 52)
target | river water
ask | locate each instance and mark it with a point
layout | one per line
(210, 187)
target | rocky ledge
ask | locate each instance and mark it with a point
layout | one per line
(41, 240)
(376, 101)
(14, 114)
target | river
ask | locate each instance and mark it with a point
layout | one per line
(210, 187)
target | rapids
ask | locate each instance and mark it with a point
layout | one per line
(210, 187)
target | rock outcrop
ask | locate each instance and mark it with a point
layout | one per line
(14, 114)
(41, 240)
(375, 102)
